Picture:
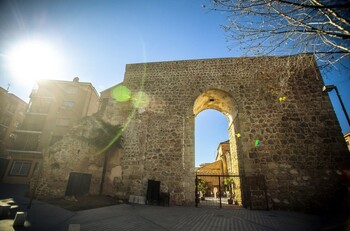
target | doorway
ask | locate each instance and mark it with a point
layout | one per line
(226, 162)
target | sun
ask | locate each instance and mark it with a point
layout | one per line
(32, 60)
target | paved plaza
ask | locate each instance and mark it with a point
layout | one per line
(142, 217)
(42, 216)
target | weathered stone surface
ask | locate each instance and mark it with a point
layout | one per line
(74, 153)
(276, 100)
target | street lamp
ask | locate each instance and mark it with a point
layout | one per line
(329, 88)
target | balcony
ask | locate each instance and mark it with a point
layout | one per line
(3, 126)
(12, 108)
(40, 94)
(5, 120)
(2, 132)
(22, 153)
(26, 142)
(33, 93)
(30, 128)
(39, 107)
(29, 131)
(32, 123)
(37, 111)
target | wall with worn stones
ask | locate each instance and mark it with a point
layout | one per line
(76, 153)
(277, 100)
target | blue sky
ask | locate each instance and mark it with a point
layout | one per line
(96, 39)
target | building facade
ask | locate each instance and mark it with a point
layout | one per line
(54, 107)
(12, 111)
(222, 167)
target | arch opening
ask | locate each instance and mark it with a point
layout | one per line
(223, 102)
(211, 129)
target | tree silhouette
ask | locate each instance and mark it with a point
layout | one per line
(273, 27)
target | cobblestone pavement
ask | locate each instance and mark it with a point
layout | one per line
(141, 217)
(133, 217)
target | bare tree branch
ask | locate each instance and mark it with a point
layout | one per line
(345, 5)
(331, 11)
(266, 27)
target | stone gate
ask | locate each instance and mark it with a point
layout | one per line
(275, 100)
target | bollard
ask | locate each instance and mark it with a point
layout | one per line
(20, 218)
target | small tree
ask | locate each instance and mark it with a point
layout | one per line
(230, 184)
(202, 186)
(106, 138)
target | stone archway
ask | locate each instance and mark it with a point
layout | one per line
(223, 102)
(275, 101)
(216, 99)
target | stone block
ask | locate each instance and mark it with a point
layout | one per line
(74, 227)
(4, 210)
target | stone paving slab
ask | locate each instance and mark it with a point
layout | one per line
(133, 217)
(142, 217)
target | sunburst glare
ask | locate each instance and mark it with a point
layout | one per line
(32, 60)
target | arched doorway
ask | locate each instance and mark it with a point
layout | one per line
(227, 166)
(211, 128)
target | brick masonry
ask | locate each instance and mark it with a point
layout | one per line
(276, 100)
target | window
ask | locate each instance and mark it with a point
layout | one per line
(24, 141)
(39, 106)
(5, 120)
(20, 168)
(2, 132)
(68, 104)
(12, 107)
(62, 122)
(71, 90)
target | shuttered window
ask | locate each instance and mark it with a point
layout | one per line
(20, 168)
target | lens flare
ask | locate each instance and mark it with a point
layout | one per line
(257, 143)
(121, 93)
(140, 100)
(282, 98)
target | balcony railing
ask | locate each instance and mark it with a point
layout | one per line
(5, 120)
(33, 123)
(29, 131)
(3, 125)
(35, 94)
(37, 112)
(39, 106)
(26, 142)
(29, 154)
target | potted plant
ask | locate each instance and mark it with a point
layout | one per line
(202, 187)
(230, 184)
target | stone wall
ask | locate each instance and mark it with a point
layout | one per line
(278, 101)
(275, 102)
(76, 153)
